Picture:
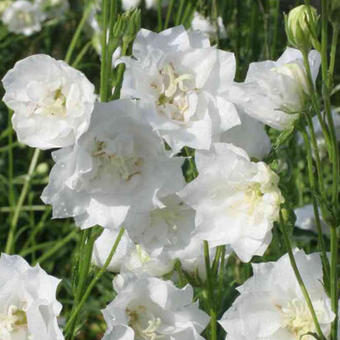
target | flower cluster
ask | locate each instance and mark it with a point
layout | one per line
(120, 164)
(26, 17)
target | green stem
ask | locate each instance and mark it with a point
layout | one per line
(76, 35)
(159, 15)
(22, 197)
(333, 51)
(59, 244)
(212, 311)
(103, 66)
(179, 13)
(87, 293)
(299, 279)
(168, 14)
(81, 54)
(321, 243)
(315, 101)
(334, 152)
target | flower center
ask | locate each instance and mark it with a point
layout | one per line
(173, 94)
(144, 323)
(125, 167)
(12, 321)
(53, 104)
(25, 17)
(297, 318)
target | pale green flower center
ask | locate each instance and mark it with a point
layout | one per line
(12, 321)
(144, 323)
(25, 17)
(173, 93)
(125, 167)
(54, 104)
(297, 318)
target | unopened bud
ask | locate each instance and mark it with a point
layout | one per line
(301, 27)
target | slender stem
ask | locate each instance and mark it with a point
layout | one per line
(76, 35)
(81, 54)
(93, 282)
(103, 66)
(24, 208)
(59, 244)
(11, 197)
(335, 38)
(179, 12)
(86, 249)
(212, 311)
(299, 279)
(334, 151)
(159, 15)
(315, 101)
(14, 222)
(321, 243)
(168, 14)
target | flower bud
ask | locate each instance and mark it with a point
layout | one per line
(301, 24)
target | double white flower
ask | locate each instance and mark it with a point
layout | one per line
(187, 81)
(52, 102)
(118, 166)
(236, 200)
(28, 305)
(271, 305)
(275, 92)
(149, 308)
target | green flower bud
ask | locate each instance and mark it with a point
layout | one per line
(301, 27)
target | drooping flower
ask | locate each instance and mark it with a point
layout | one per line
(236, 200)
(23, 17)
(52, 102)
(250, 136)
(305, 219)
(149, 308)
(129, 257)
(186, 80)
(274, 92)
(28, 305)
(207, 26)
(271, 305)
(118, 166)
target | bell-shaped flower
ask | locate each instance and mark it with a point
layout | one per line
(52, 102)
(250, 136)
(118, 166)
(236, 200)
(274, 92)
(271, 305)
(187, 82)
(150, 308)
(129, 257)
(23, 17)
(28, 305)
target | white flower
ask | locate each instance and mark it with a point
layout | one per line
(149, 308)
(118, 165)
(52, 102)
(274, 92)
(271, 305)
(236, 200)
(305, 219)
(28, 305)
(129, 4)
(53, 8)
(129, 257)
(186, 81)
(154, 3)
(206, 26)
(250, 136)
(22, 16)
